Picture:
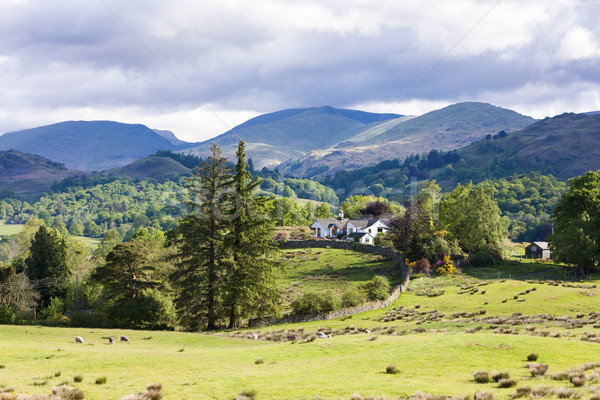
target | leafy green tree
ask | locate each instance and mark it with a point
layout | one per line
(200, 237)
(576, 218)
(47, 264)
(323, 211)
(471, 216)
(250, 283)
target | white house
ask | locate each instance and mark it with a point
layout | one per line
(356, 230)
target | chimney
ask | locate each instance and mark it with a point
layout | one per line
(341, 215)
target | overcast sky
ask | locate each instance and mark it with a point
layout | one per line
(198, 68)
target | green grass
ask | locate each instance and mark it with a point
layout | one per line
(325, 269)
(10, 229)
(216, 367)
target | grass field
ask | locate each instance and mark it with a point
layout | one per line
(438, 334)
(9, 229)
(329, 269)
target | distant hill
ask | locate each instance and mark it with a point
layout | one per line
(449, 128)
(150, 167)
(276, 137)
(567, 145)
(23, 173)
(90, 145)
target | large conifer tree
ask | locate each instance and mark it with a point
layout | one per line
(200, 238)
(250, 284)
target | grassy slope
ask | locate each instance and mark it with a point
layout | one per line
(568, 144)
(441, 360)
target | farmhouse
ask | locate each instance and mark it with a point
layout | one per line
(537, 250)
(355, 230)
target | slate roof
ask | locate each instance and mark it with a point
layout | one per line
(541, 245)
(358, 235)
(328, 222)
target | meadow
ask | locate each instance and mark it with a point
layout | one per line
(438, 335)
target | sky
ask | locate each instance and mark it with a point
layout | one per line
(198, 68)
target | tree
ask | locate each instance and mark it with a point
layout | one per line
(576, 218)
(47, 264)
(131, 281)
(471, 216)
(410, 232)
(323, 211)
(200, 237)
(249, 282)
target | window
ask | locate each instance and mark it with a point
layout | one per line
(533, 248)
(318, 232)
(379, 230)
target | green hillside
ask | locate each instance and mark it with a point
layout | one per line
(150, 167)
(566, 145)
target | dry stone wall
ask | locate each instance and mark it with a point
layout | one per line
(369, 306)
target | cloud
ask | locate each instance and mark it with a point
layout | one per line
(170, 63)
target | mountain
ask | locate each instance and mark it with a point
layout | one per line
(28, 173)
(88, 145)
(276, 137)
(449, 128)
(567, 145)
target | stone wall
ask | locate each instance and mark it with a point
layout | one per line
(370, 306)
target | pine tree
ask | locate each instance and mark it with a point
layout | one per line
(250, 284)
(47, 264)
(200, 242)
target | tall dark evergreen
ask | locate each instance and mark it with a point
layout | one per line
(250, 284)
(200, 237)
(47, 264)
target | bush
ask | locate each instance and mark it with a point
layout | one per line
(316, 302)
(481, 377)
(522, 392)
(78, 378)
(54, 311)
(532, 357)
(377, 288)
(484, 395)
(497, 376)
(259, 361)
(538, 369)
(506, 383)
(352, 297)
(578, 379)
(422, 266)
(481, 258)
(66, 392)
(392, 369)
(445, 266)
(101, 380)
(7, 314)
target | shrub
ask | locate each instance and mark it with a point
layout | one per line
(497, 376)
(481, 258)
(54, 310)
(565, 393)
(78, 378)
(540, 391)
(522, 392)
(506, 383)
(315, 303)
(259, 361)
(422, 266)
(532, 357)
(538, 369)
(101, 380)
(484, 395)
(577, 379)
(7, 314)
(57, 374)
(481, 377)
(247, 395)
(352, 296)
(392, 369)
(377, 288)
(445, 266)
(68, 393)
